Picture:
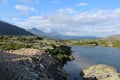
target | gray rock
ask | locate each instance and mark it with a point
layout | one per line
(100, 72)
(34, 75)
(41, 65)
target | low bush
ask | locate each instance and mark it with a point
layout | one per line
(60, 52)
(13, 46)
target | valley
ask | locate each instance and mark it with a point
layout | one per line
(60, 40)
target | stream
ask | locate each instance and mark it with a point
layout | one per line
(88, 56)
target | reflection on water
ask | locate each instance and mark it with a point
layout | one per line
(88, 56)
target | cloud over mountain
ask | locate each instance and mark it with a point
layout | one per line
(96, 18)
(84, 23)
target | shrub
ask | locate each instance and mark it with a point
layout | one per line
(39, 38)
(60, 52)
(13, 46)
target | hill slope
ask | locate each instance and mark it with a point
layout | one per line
(52, 35)
(55, 35)
(9, 29)
(114, 37)
(37, 32)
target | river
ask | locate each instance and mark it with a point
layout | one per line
(88, 56)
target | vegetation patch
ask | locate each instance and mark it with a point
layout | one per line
(60, 52)
(13, 46)
(12, 42)
(96, 42)
(49, 45)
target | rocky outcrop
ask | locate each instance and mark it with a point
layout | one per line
(14, 65)
(100, 72)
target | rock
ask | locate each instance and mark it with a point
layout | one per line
(30, 60)
(27, 69)
(35, 58)
(35, 75)
(100, 72)
(43, 75)
(30, 64)
(41, 65)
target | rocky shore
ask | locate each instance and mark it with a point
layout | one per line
(100, 72)
(30, 64)
(34, 64)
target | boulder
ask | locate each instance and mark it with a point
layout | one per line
(100, 72)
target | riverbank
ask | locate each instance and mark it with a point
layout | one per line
(30, 64)
(33, 58)
(89, 56)
(105, 42)
(100, 72)
(35, 64)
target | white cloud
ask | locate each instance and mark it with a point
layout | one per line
(71, 33)
(16, 19)
(94, 22)
(67, 10)
(81, 4)
(117, 11)
(24, 8)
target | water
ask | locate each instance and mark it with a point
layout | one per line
(88, 56)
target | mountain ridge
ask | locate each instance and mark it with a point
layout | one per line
(56, 35)
(9, 29)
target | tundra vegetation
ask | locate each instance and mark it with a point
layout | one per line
(24, 58)
(115, 43)
(55, 48)
(18, 42)
(60, 52)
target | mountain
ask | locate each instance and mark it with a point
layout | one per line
(114, 37)
(52, 35)
(55, 35)
(36, 32)
(9, 29)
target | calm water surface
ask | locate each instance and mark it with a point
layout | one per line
(88, 56)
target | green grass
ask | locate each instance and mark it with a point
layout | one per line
(13, 46)
(96, 42)
(55, 48)
(18, 42)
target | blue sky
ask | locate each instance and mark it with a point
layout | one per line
(68, 17)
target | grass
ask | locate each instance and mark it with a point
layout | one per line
(13, 46)
(96, 42)
(18, 42)
(55, 48)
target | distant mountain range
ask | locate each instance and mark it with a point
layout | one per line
(37, 32)
(55, 35)
(9, 29)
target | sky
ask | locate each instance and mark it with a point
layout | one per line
(68, 17)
